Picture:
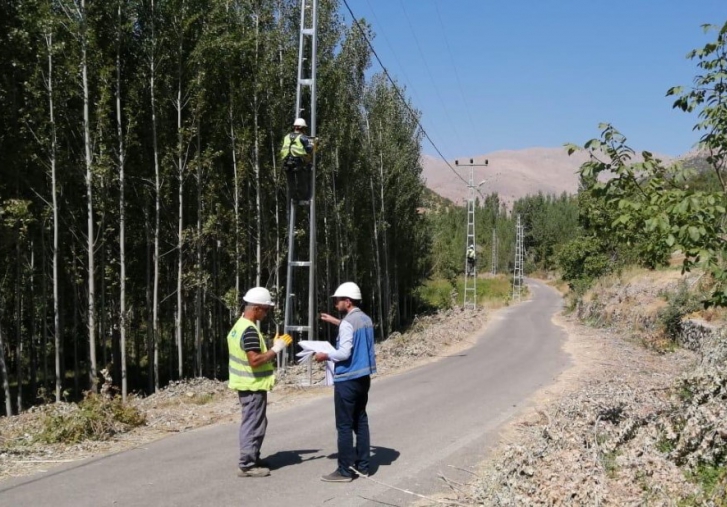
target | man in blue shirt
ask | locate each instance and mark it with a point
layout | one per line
(355, 362)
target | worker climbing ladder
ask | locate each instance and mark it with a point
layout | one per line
(300, 303)
(470, 271)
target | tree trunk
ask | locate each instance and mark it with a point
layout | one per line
(157, 202)
(122, 213)
(54, 191)
(377, 265)
(198, 296)
(4, 372)
(33, 342)
(92, 371)
(387, 288)
(256, 163)
(278, 254)
(236, 203)
(181, 163)
(18, 326)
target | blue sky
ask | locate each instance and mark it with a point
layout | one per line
(493, 75)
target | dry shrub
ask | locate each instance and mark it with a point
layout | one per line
(95, 418)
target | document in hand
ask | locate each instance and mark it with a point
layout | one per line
(312, 347)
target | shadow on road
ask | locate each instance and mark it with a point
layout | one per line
(286, 458)
(382, 456)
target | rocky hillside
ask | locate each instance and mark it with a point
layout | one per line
(516, 173)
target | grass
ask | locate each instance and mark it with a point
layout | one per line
(609, 463)
(713, 481)
(491, 291)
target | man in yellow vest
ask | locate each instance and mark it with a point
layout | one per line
(297, 155)
(251, 375)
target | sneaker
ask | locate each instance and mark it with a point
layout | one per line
(255, 471)
(364, 472)
(336, 477)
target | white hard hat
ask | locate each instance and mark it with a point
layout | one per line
(348, 290)
(300, 122)
(258, 296)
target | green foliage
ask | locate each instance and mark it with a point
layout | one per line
(709, 476)
(549, 222)
(610, 464)
(437, 293)
(442, 293)
(681, 302)
(581, 261)
(95, 418)
(651, 207)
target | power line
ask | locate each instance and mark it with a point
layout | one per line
(429, 71)
(456, 74)
(399, 94)
(409, 83)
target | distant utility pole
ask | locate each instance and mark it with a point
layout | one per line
(517, 275)
(470, 267)
(493, 268)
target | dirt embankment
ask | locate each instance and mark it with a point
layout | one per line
(193, 403)
(632, 423)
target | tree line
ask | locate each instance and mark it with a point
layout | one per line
(549, 221)
(141, 191)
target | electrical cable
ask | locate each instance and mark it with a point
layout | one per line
(429, 71)
(456, 74)
(400, 95)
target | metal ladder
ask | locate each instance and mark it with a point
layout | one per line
(470, 278)
(493, 268)
(306, 90)
(517, 275)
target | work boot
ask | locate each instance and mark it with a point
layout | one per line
(253, 471)
(336, 477)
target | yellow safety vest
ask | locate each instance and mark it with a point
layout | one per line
(293, 146)
(244, 377)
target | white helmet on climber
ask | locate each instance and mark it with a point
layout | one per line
(300, 122)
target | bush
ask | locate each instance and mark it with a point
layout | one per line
(582, 260)
(681, 302)
(94, 418)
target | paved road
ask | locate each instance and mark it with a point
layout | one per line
(436, 419)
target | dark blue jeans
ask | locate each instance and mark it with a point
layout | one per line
(350, 398)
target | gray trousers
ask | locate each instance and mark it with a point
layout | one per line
(252, 428)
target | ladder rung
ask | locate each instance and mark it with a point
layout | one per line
(305, 82)
(301, 264)
(307, 31)
(298, 329)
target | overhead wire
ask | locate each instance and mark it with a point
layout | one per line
(399, 94)
(456, 74)
(408, 82)
(429, 71)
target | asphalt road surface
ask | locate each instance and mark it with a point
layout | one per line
(436, 419)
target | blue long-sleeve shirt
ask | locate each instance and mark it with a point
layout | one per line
(345, 341)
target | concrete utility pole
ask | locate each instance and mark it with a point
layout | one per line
(493, 268)
(305, 92)
(517, 275)
(470, 273)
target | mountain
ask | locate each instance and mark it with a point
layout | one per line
(511, 173)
